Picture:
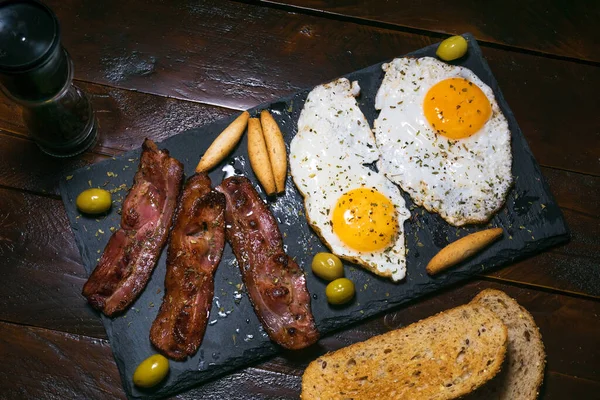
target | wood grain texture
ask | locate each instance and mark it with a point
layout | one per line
(61, 279)
(140, 61)
(558, 27)
(41, 267)
(577, 192)
(24, 166)
(368, 302)
(554, 313)
(40, 257)
(238, 55)
(574, 265)
(126, 117)
(558, 387)
(42, 364)
(59, 365)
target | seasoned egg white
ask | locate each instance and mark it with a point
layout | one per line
(443, 139)
(327, 154)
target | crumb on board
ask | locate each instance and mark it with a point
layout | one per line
(118, 188)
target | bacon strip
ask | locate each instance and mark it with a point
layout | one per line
(275, 283)
(132, 252)
(195, 250)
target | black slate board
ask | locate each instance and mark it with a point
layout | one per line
(531, 219)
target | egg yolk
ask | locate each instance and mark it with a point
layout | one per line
(456, 108)
(365, 220)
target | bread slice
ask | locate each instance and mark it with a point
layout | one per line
(442, 357)
(523, 370)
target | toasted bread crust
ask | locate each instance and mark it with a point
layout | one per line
(259, 157)
(442, 357)
(523, 372)
(276, 149)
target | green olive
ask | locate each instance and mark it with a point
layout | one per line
(340, 291)
(327, 266)
(94, 201)
(151, 371)
(452, 48)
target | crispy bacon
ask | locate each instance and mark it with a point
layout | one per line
(275, 283)
(195, 249)
(132, 252)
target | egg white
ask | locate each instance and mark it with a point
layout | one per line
(464, 180)
(327, 154)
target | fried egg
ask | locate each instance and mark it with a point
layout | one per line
(443, 139)
(357, 212)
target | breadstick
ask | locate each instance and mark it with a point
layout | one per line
(275, 148)
(224, 143)
(259, 157)
(462, 249)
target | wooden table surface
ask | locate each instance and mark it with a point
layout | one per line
(157, 68)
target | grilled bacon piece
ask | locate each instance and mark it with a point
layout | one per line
(132, 252)
(195, 250)
(275, 283)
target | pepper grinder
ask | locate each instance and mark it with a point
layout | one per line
(37, 73)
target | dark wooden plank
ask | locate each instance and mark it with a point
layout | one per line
(562, 28)
(556, 386)
(560, 387)
(43, 364)
(238, 55)
(41, 267)
(558, 317)
(574, 265)
(39, 254)
(126, 117)
(413, 287)
(574, 191)
(250, 383)
(24, 166)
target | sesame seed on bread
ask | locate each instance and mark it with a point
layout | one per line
(445, 356)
